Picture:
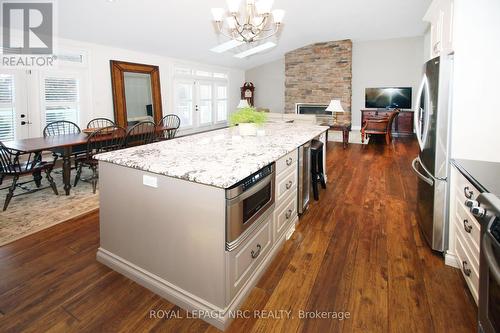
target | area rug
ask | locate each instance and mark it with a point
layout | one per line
(33, 212)
(354, 137)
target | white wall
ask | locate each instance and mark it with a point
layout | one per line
(269, 81)
(384, 63)
(476, 110)
(98, 95)
(381, 63)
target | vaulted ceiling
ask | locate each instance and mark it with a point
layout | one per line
(183, 28)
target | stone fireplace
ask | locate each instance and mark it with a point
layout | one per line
(316, 74)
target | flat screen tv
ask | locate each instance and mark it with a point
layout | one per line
(383, 98)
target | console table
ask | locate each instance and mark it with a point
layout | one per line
(401, 126)
(343, 126)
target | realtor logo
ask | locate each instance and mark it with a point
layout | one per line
(27, 27)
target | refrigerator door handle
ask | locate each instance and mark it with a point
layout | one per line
(422, 135)
(426, 179)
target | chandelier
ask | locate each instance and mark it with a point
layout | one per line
(257, 22)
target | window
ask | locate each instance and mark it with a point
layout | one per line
(205, 102)
(221, 102)
(184, 102)
(220, 75)
(200, 96)
(61, 99)
(7, 107)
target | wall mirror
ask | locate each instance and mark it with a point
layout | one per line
(136, 93)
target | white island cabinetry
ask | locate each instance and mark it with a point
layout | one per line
(163, 214)
(464, 238)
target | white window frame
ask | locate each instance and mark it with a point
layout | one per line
(217, 99)
(60, 74)
(13, 106)
(193, 100)
(195, 80)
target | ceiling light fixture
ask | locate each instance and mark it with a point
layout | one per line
(257, 22)
(255, 50)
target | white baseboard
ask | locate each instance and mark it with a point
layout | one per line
(220, 318)
(450, 259)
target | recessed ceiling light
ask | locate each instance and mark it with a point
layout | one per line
(255, 50)
(226, 46)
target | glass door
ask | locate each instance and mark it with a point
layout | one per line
(205, 102)
(14, 118)
(184, 102)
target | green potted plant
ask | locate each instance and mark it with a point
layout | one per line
(247, 119)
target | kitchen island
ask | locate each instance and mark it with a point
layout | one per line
(164, 208)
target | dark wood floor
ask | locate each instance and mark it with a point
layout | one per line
(357, 250)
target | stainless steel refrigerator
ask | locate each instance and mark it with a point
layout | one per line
(432, 126)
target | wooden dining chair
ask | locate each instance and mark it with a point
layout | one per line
(15, 163)
(100, 123)
(171, 124)
(61, 127)
(141, 134)
(103, 140)
(379, 126)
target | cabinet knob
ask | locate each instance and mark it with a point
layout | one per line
(467, 226)
(466, 270)
(468, 193)
(255, 254)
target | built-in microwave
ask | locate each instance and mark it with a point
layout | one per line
(246, 202)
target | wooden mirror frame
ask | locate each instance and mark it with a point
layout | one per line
(118, 69)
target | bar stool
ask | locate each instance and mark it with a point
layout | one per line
(317, 173)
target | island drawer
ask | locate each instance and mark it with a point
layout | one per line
(468, 227)
(469, 268)
(284, 215)
(465, 189)
(286, 163)
(244, 260)
(285, 186)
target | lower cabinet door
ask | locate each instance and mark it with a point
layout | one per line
(468, 266)
(244, 260)
(284, 215)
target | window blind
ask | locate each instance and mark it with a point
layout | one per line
(7, 110)
(61, 99)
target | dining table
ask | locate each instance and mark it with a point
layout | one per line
(66, 145)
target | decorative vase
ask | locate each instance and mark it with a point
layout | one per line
(247, 129)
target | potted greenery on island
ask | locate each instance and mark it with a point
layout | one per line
(247, 119)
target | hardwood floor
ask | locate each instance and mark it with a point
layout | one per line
(357, 250)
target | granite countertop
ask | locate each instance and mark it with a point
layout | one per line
(483, 175)
(219, 158)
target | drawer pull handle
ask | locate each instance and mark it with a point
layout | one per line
(467, 226)
(289, 184)
(288, 214)
(466, 270)
(468, 194)
(289, 161)
(255, 254)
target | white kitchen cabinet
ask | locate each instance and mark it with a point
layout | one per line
(440, 17)
(463, 243)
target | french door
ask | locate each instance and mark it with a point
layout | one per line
(200, 103)
(14, 118)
